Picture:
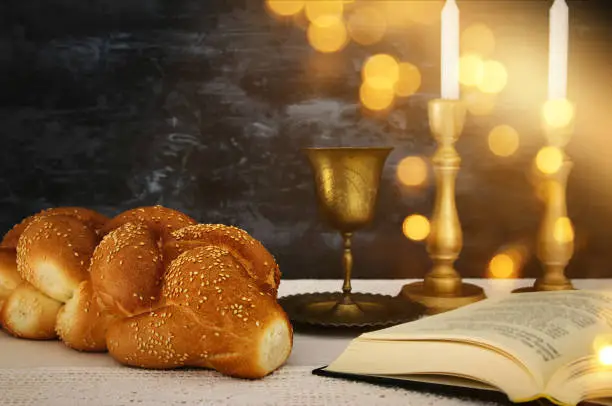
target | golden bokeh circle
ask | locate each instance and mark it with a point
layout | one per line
(549, 159)
(285, 8)
(412, 171)
(494, 77)
(367, 25)
(502, 266)
(409, 80)
(478, 38)
(558, 112)
(327, 34)
(376, 98)
(471, 69)
(316, 9)
(416, 227)
(381, 71)
(503, 140)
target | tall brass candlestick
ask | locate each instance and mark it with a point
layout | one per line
(442, 288)
(556, 239)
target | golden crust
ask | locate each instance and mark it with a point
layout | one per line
(91, 218)
(53, 254)
(252, 255)
(126, 270)
(82, 322)
(29, 313)
(160, 219)
(9, 277)
(214, 316)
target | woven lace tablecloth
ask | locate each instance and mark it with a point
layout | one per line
(49, 374)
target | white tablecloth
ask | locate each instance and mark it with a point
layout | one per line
(48, 373)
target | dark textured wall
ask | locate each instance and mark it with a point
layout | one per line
(203, 106)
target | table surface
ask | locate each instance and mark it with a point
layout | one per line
(313, 349)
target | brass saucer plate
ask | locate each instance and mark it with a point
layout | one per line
(374, 310)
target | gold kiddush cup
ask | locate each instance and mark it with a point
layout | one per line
(346, 182)
(443, 289)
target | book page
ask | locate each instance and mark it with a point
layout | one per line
(542, 330)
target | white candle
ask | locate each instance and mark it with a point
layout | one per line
(558, 44)
(450, 50)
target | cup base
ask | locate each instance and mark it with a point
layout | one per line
(439, 304)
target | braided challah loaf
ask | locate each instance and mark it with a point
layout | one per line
(151, 286)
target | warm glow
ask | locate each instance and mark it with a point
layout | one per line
(285, 8)
(323, 8)
(416, 227)
(412, 171)
(563, 231)
(478, 103)
(381, 71)
(409, 80)
(471, 69)
(396, 12)
(376, 98)
(327, 34)
(367, 25)
(503, 140)
(478, 38)
(549, 160)
(494, 77)
(558, 112)
(605, 355)
(502, 266)
(424, 11)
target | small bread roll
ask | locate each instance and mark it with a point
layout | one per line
(126, 270)
(214, 317)
(9, 277)
(29, 313)
(160, 219)
(91, 218)
(53, 254)
(252, 255)
(82, 323)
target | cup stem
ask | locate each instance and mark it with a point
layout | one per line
(347, 263)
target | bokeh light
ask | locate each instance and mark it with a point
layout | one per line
(367, 25)
(471, 69)
(494, 77)
(563, 231)
(376, 98)
(416, 227)
(503, 140)
(558, 112)
(327, 34)
(507, 263)
(478, 38)
(409, 80)
(478, 103)
(323, 8)
(412, 171)
(381, 71)
(502, 266)
(605, 355)
(549, 160)
(285, 8)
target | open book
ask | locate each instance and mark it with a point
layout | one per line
(527, 345)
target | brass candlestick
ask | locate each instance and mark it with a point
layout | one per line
(555, 239)
(443, 288)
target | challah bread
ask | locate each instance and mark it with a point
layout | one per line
(213, 316)
(161, 220)
(91, 218)
(9, 277)
(126, 270)
(29, 313)
(252, 255)
(53, 254)
(82, 322)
